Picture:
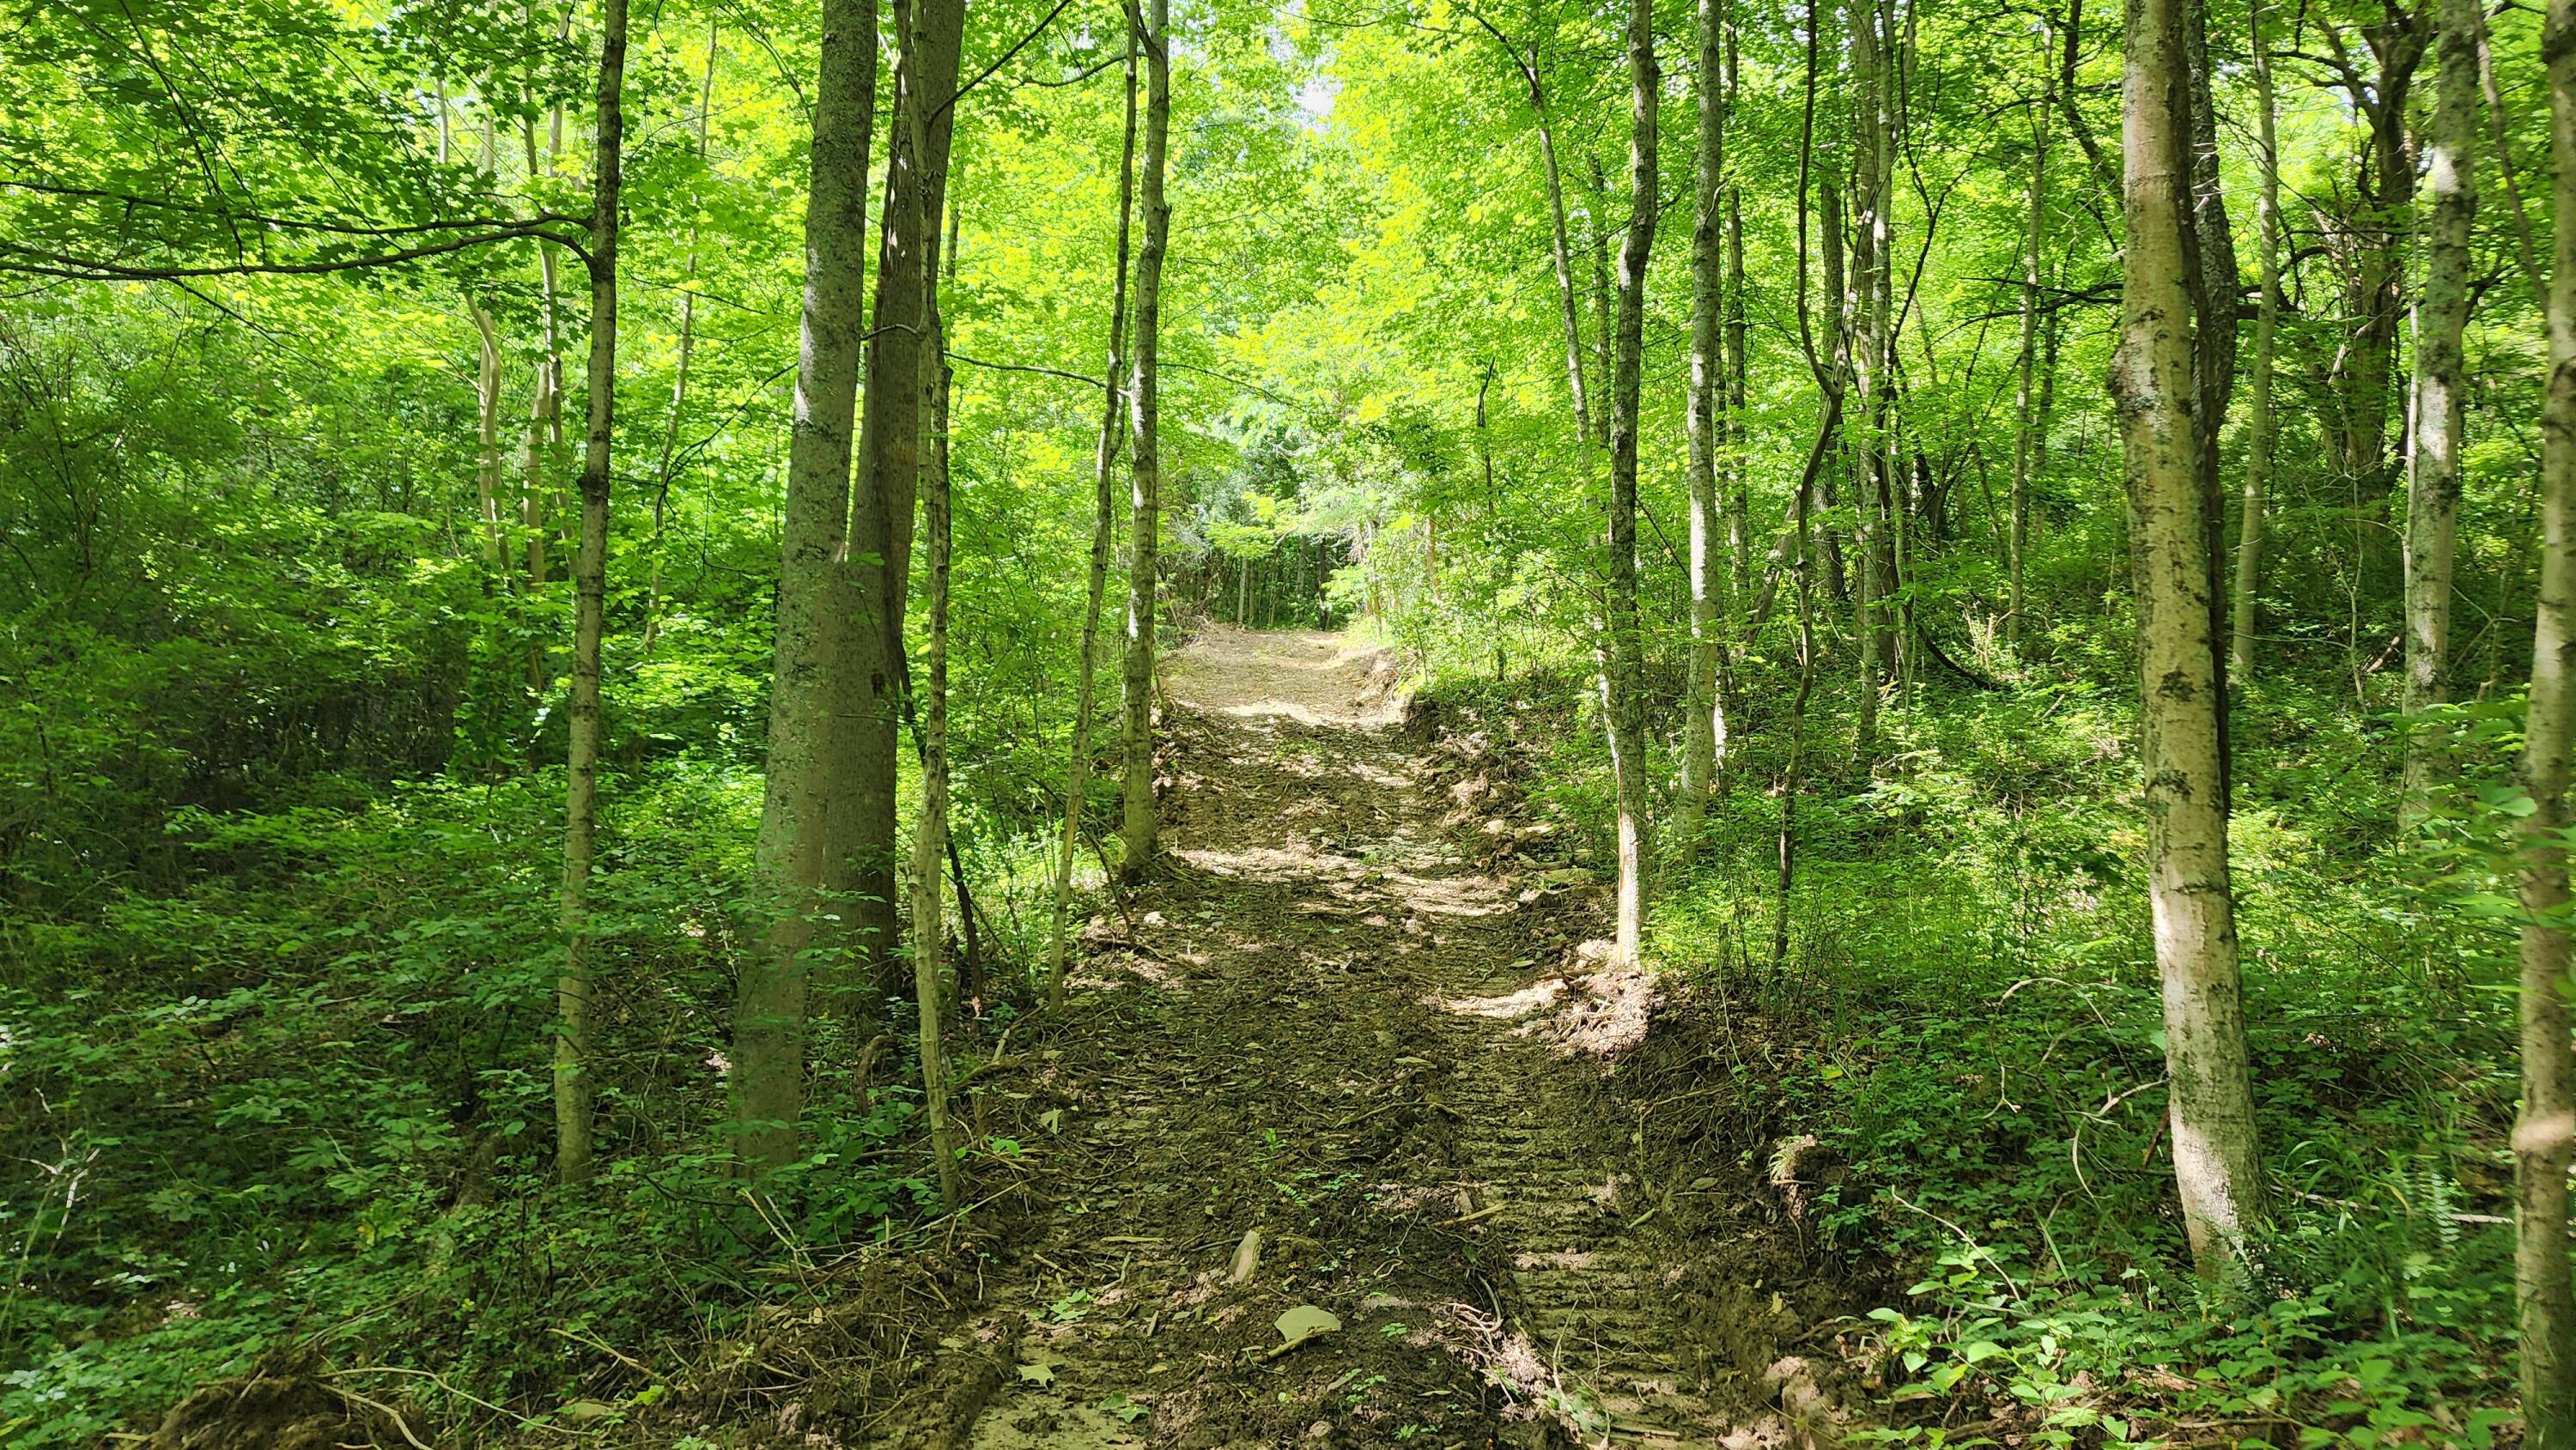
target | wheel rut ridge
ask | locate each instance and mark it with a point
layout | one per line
(1581, 1287)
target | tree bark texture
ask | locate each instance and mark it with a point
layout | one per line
(1137, 838)
(1622, 677)
(877, 557)
(930, 829)
(802, 793)
(2259, 429)
(1104, 532)
(1738, 478)
(2433, 471)
(1704, 718)
(2154, 385)
(1865, 312)
(2544, 1130)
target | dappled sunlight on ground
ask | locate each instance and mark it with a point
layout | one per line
(1308, 676)
(1329, 1059)
(1509, 1005)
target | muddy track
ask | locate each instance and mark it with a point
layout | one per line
(1333, 1022)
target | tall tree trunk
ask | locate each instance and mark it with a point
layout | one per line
(930, 830)
(2154, 385)
(1561, 247)
(1864, 316)
(1890, 495)
(2499, 131)
(1145, 490)
(487, 439)
(487, 386)
(1599, 225)
(2267, 325)
(877, 560)
(1739, 477)
(1704, 722)
(545, 402)
(2069, 48)
(2433, 490)
(802, 792)
(2373, 236)
(1104, 533)
(1560, 253)
(2544, 1130)
(575, 1088)
(2026, 434)
(680, 373)
(1791, 782)
(2213, 279)
(1622, 675)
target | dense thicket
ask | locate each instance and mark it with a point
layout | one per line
(2047, 509)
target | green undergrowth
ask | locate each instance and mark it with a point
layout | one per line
(1971, 992)
(303, 1100)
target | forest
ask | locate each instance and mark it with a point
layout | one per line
(978, 724)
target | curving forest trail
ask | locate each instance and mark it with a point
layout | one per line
(1339, 1018)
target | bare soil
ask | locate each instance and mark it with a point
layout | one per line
(1355, 1013)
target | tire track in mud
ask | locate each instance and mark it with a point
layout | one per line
(1326, 1024)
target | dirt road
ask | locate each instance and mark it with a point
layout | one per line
(1332, 1021)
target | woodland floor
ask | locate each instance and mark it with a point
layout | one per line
(1355, 1011)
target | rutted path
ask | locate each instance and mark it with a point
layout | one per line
(1331, 1023)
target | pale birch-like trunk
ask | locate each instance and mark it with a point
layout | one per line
(1104, 532)
(2154, 385)
(1145, 490)
(2544, 1129)
(1622, 682)
(2433, 483)
(576, 1089)
(1704, 705)
(2259, 427)
(801, 793)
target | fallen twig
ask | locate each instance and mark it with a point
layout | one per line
(381, 1408)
